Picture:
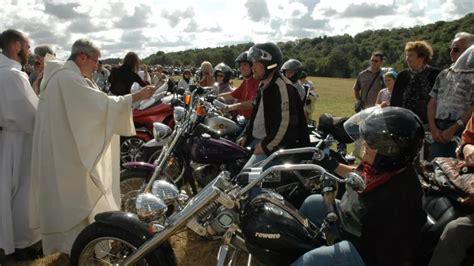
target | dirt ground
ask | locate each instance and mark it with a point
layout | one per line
(189, 248)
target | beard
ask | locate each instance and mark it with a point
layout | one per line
(23, 57)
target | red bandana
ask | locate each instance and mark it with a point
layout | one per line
(373, 179)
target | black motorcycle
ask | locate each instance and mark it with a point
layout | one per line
(221, 209)
(442, 203)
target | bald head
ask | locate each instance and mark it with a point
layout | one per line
(461, 42)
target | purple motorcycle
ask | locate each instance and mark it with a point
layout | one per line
(191, 153)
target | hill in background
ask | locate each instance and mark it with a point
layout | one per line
(338, 56)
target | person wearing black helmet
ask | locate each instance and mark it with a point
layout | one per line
(278, 120)
(245, 94)
(384, 221)
(292, 69)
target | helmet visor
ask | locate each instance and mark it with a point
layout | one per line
(353, 124)
(256, 54)
(367, 131)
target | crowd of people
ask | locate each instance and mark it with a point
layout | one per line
(59, 128)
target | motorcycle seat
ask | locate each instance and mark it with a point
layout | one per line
(440, 212)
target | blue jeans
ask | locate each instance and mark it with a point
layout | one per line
(255, 158)
(443, 149)
(341, 253)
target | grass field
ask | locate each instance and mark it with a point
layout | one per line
(335, 96)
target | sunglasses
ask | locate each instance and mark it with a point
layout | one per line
(455, 50)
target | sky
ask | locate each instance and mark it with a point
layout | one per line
(148, 26)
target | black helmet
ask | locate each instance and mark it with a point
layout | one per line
(224, 69)
(293, 65)
(268, 54)
(395, 133)
(243, 57)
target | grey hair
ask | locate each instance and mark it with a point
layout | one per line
(466, 36)
(42, 50)
(83, 46)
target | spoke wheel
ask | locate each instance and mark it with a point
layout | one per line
(105, 244)
(107, 251)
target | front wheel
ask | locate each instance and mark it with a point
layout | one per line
(132, 182)
(100, 244)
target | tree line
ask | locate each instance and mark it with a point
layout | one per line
(337, 56)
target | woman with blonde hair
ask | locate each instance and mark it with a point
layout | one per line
(206, 74)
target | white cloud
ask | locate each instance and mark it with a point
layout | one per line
(147, 26)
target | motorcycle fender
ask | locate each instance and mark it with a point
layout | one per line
(126, 221)
(139, 165)
(143, 135)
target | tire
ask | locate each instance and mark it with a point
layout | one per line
(113, 244)
(132, 182)
(131, 149)
(174, 171)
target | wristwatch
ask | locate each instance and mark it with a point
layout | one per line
(460, 122)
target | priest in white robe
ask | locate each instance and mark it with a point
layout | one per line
(75, 159)
(18, 104)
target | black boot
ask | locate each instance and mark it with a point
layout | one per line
(3, 257)
(32, 252)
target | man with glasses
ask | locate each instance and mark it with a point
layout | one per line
(37, 76)
(456, 243)
(18, 105)
(278, 120)
(101, 77)
(75, 157)
(452, 99)
(368, 84)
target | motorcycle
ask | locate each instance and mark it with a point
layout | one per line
(442, 203)
(214, 118)
(145, 113)
(202, 158)
(224, 209)
(191, 152)
(328, 124)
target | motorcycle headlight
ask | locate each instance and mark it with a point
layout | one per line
(179, 113)
(161, 131)
(241, 120)
(149, 207)
(165, 191)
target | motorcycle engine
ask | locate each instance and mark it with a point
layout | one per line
(205, 173)
(214, 220)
